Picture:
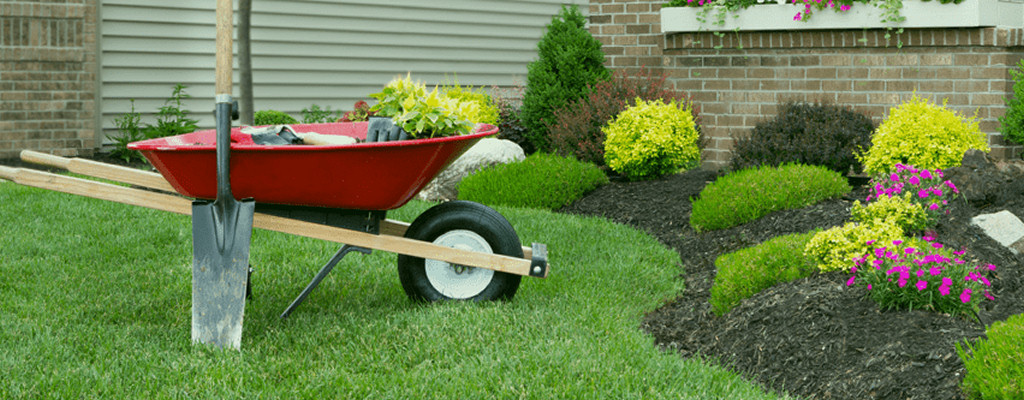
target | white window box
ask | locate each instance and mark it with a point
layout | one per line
(918, 14)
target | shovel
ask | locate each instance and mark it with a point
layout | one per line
(221, 229)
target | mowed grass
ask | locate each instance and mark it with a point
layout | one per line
(95, 303)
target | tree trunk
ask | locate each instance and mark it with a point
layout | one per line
(245, 62)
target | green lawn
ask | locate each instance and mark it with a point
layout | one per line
(95, 303)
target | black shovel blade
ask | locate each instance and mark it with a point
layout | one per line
(221, 234)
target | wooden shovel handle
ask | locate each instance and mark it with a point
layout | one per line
(225, 21)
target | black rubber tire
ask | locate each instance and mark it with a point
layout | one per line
(460, 215)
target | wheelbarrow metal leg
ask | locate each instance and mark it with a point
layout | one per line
(321, 275)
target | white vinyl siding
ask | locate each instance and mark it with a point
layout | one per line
(330, 53)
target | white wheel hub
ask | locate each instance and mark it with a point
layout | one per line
(458, 281)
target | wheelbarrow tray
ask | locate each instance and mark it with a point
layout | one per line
(361, 176)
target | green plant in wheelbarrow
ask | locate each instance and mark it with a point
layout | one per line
(420, 113)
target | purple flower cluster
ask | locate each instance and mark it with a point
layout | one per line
(927, 187)
(819, 4)
(902, 276)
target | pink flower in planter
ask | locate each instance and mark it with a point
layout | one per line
(921, 285)
(943, 290)
(844, 7)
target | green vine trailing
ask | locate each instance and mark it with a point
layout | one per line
(717, 11)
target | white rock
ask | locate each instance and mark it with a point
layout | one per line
(487, 152)
(1003, 227)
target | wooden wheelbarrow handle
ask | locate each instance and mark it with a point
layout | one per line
(181, 205)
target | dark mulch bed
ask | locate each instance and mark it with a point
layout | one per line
(815, 337)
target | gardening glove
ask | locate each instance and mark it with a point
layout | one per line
(273, 135)
(383, 129)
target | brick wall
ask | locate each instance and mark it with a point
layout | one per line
(740, 78)
(48, 76)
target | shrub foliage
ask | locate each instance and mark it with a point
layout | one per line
(1012, 123)
(810, 134)
(652, 139)
(752, 193)
(273, 117)
(568, 60)
(748, 271)
(576, 129)
(922, 134)
(995, 365)
(542, 180)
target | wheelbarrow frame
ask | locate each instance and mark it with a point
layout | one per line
(368, 230)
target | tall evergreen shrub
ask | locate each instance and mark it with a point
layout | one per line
(1012, 124)
(568, 60)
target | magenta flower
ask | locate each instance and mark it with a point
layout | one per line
(901, 282)
(935, 271)
(937, 245)
(965, 296)
(920, 273)
(869, 287)
(987, 295)
(894, 177)
(850, 281)
(922, 194)
(926, 174)
(796, 17)
(943, 290)
(933, 207)
(991, 267)
(914, 180)
(946, 281)
(921, 285)
(844, 7)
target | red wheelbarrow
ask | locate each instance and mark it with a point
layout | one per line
(455, 250)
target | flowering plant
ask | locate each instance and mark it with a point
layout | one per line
(921, 274)
(361, 112)
(921, 186)
(809, 5)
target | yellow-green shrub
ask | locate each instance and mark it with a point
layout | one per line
(652, 139)
(922, 134)
(835, 249)
(487, 111)
(899, 210)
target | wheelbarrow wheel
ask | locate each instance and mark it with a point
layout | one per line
(463, 225)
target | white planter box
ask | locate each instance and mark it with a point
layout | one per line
(919, 14)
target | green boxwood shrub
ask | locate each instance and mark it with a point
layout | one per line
(542, 180)
(1012, 123)
(835, 249)
(748, 271)
(752, 193)
(810, 134)
(273, 117)
(922, 134)
(995, 366)
(652, 139)
(568, 59)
